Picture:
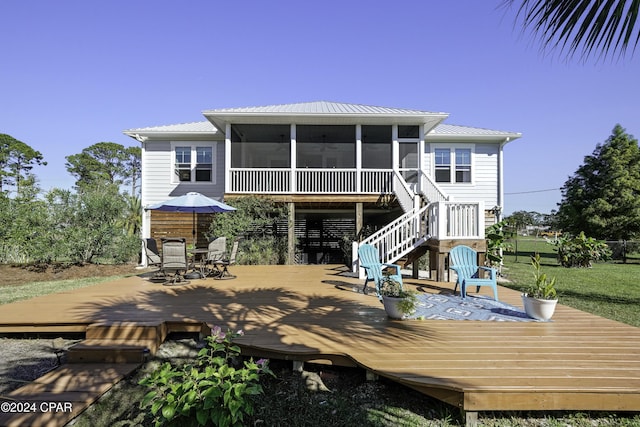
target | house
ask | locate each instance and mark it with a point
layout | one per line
(422, 184)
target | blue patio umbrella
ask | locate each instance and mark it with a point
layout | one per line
(192, 202)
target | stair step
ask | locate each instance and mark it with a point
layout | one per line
(111, 351)
(131, 331)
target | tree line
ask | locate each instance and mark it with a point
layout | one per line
(97, 221)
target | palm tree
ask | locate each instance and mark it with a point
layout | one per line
(599, 27)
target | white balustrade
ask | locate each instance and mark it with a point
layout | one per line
(310, 181)
(456, 220)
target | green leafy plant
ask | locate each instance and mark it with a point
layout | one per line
(542, 287)
(581, 251)
(389, 287)
(496, 243)
(214, 390)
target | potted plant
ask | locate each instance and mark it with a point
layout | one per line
(540, 298)
(398, 303)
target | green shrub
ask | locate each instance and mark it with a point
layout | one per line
(581, 251)
(212, 391)
(496, 243)
(255, 250)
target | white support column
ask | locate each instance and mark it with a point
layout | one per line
(395, 148)
(501, 181)
(421, 160)
(227, 158)
(294, 155)
(359, 158)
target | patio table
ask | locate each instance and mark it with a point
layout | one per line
(199, 258)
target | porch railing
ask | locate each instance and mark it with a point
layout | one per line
(456, 220)
(312, 181)
(254, 180)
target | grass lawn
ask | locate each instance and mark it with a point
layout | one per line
(608, 289)
(36, 289)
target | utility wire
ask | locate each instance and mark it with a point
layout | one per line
(532, 191)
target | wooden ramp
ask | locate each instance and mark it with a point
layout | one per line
(315, 313)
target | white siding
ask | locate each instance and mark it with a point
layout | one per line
(484, 175)
(157, 184)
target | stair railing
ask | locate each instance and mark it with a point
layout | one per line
(405, 195)
(430, 190)
(399, 237)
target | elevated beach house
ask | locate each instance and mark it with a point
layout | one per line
(416, 183)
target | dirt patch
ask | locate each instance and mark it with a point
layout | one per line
(11, 275)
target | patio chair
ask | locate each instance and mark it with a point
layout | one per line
(216, 250)
(151, 252)
(153, 256)
(223, 264)
(174, 260)
(370, 260)
(464, 261)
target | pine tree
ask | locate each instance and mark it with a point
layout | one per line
(602, 198)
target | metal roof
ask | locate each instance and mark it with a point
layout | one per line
(321, 107)
(320, 112)
(450, 132)
(442, 130)
(194, 130)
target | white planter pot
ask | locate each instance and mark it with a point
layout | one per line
(539, 309)
(391, 307)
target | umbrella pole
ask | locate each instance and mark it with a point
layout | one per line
(193, 229)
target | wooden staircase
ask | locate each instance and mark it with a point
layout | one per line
(118, 342)
(431, 222)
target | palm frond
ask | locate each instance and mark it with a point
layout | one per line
(591, 27)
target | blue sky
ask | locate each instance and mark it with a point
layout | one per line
(77, 72)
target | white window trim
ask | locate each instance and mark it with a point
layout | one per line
(193, 144)
(452, 149)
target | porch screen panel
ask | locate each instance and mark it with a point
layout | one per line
(326, 146)
(409, 161)
(376, 147)
(260, 146)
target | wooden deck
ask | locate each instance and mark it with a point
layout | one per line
(313, 313)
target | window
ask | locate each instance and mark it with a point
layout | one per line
(193, 163)
(183, 163)
(463, 165)
(204, 163)
(452, 165)
(443, 165)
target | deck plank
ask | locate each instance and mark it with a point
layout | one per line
(578, 361)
